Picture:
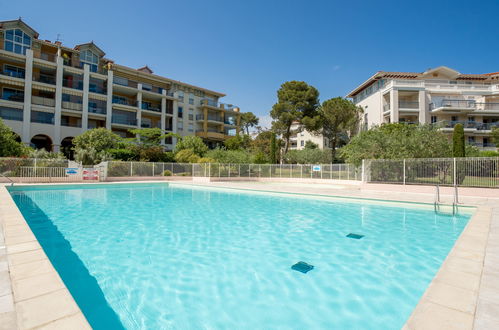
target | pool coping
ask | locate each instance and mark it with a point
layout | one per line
(459, 296)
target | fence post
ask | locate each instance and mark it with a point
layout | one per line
(301, 171)
(209, 170)
(229, 171)
(192, 170)
(455, 172)
(131, 168)
(153, 169)
(239, 170)
(404, 171)
(249, 170)
(363, 174)
(259, 171)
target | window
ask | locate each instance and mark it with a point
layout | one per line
(191, 114)
(453, 118)
(11, 114)
(191, 99)
(120, 81)
(485, 142)
(472, 119)
(146, 87)
(471, 139)
(180, 112)
(17, 41)
(302, 143)
(42, 117)
(180, 126)
(433, 119)
(88, 57)
(181, 96)
(191, 128)
(13, 71)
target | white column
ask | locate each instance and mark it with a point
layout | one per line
(28, 77)
(423, 108)
(109, 102)
(175, 118)
(86, 86)
(139, 106)
(394, 106)
(163, 114)
(58, 104)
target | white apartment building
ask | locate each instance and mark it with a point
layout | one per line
(441, 96)
(50, 93)
(298, 140)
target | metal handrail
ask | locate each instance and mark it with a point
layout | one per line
(455, 202)
(11, 181)
(436, 206)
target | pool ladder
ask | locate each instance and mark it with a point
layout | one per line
(455, 201)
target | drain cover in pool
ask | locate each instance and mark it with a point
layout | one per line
(302, 267)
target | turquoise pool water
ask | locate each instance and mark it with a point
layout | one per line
(161, 256)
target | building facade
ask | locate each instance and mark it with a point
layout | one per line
(298, 140)
(441, 96)
(51, 93)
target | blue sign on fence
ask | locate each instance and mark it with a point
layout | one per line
(71, 171)
(316, 168)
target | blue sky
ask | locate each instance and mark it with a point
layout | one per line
(246, 49)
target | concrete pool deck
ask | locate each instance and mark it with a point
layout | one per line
(463, 294)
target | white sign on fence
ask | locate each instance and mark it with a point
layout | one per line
(71, 171)
(90, 174)
(316, 168)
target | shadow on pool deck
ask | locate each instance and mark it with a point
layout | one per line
(83, 286)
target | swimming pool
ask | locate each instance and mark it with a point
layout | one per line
(170, 256)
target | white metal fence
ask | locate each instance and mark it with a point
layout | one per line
(463, 172)
(296, 171)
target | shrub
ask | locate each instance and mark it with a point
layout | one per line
(167, 173)
(203, 160)
(122, 154)
(308, 156)
(194, 143)
(230, 156)
(488, 153)
(458, 145)
(185, 156)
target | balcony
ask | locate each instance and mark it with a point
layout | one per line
(125, 82)
(122, 101)
(453, 105)
(123, 120)
(211, 134)
(152, 89)
(72, 83)
(14, 74)
(470, 125)
(219, 106)
(72, 106)
(150, 124)
(210, 118)
(45, 101)
(46, 79)
(151, 107)
(413, 105)
(45, 56)
(97, 110)
(42, 117)
(13, 97)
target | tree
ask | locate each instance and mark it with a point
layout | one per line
(495, 136)
(97, 139)
(191, 142)
(9, 147)
(237, 142)
(335, 118)
(295, 100)
(248, 120)
(308, 156)
(273, 149)
(149, 136)
(397, 141)
(458, 145)
(186, 156)
(311, 145)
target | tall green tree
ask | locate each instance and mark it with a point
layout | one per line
(295, 100)
(458, 145)
(273, 149)
(9, 147)
(336, 118)
(98, 139)
(191, 142)
(149, 136)
(248, 120)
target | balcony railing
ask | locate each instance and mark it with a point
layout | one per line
(408, 105)
(210, 117)
(150, 125)
(128, 83)
(466, 124)
(45, 101)
(12, 74)
(72, 106)
(123, 120)
(459, 104)
(131, 103)
(153, 89)
(72, 83)
(45, 56)
(70, 124)
(488, 106)
(483, 145)
(13, 97)
(98, 110)
(45, 79)
(151, 107)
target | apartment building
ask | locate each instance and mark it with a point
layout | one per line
(51, 93)
(298, 140)
(441, 96)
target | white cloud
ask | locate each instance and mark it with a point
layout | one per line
(265, 121)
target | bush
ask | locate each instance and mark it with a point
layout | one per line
(230, 156)
(194, 143)
(9, 147)
(488, 153)
(203, 160)
(308, 156)
(122, 154)
(186, 156)
(167, 173)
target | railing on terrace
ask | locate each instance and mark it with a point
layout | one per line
(72, 83)
(151, 107)
(131, 103)
(45, 79)
(463, 172)
(45, 101)
(117, 119)
(98, 110)
(45, 56)
(72, 106)
(12, 97)
(12, 74)
(409, 104)
(461, 104)
(153, 89)
(466, 124)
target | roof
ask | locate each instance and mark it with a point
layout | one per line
(19, 22)
(91, 45)
(418, 75)
(145, 69)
